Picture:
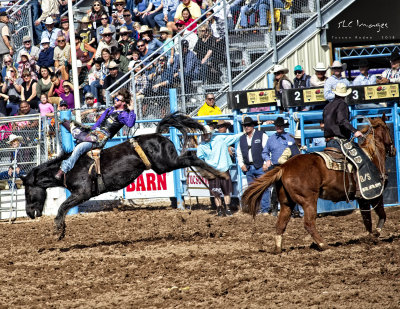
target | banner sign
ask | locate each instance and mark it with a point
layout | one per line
(195, 186)
(151, 185)
(251, 98)
(358, 95)
(369, 21)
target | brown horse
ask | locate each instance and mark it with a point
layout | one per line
(304, 178)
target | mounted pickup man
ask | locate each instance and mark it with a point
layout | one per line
(337, 132)
(109, 123)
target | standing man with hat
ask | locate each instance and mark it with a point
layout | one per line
(33, 51)
(51, 32)
(5, 39)
(392, 75)
(273, 150)
(319, 78)
(214, 151)
(249, 157)
(337, 69)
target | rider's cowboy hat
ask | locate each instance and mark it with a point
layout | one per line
(248, 121)
(338, 65)
(341, 90)
(394, 56)
(107, 31)
(85, 19)
(320, 67)
(49, 21)
(280, 68)
(14, 137)
(279, 122)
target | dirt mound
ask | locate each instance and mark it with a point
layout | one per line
(164, 258)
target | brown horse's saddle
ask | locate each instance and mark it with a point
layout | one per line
(335, 160)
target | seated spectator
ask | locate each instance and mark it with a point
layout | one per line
(135, 59)
(210, 53)
(120, 59)
(169, 11)
(88, 35)
(168, 43)
(141, 81)
(27, 64)
(337, 69)
(144, 51)
(118, 15)
(25, 109)
(301, 80)
(193, 7)
(95, 76)
(216, 24)
(146, 34)
(185, 35)
(33, 51)
(96, 12)
(209, 108)
(153, 15)
(125, 42)
(113, 77)
(98, 84)
(90, 113)
(46, 109)
(191, 67)
(162, 78)
(10, 174)
(84, 56)
(365, 79)
(7, 64)
(190, 25)
(68, 95)
(62, 57)
(28, 89)
(57, 86)
(281, 81)
(12, 88)
(319, 78)
(260, 6)
(130, 25)
(106, 43)
(104, 24)
(44, 83)
(139, 8)
(65, 29)
(46, 55)
(50, 32)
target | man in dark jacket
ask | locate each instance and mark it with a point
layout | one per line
(46, 55)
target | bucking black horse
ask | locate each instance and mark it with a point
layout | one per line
(120, 166)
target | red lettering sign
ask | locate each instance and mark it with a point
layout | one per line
(149, 182)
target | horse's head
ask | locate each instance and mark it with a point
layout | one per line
(382, 135)
(34, 198)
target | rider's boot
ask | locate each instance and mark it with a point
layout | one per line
(59, 174)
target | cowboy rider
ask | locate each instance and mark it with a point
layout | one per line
(109, 123)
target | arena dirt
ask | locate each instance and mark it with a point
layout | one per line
(163, 258)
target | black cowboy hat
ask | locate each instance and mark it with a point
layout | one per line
(279, 122)
(249, 121)
(363, 63)
(394, 56)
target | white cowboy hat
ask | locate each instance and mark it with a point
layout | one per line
(49, 21)
(107, 31)
(113, 65)
(338, 65)
(14, 137)
(165, 30)
(297, 134)
(341, 90)
(320, 67)
(145, 28)
(280, 68)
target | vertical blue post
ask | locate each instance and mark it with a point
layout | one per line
(173, 101)
(270, 83)
(396, 135)
(236, 130)
(67, 142)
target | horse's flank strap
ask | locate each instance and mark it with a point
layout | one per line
(141, 153)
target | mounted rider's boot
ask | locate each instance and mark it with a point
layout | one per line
(60, 174)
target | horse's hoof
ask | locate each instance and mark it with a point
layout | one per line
(322, 246)
(377, 232)
(278, 250)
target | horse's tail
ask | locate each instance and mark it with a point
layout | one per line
(251, 197)
(180, 121)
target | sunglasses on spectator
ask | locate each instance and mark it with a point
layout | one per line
(104, 18)
(113, 69)
(127, 15)
(26, 76)
(140, 45)
(60, 41)
(108, 34)
(7, 61)
(119, 4)
(277, 73)
(96, 4)
(298, 72)
(210, 99)
(119, 100)
(27, 42)
(162, 60)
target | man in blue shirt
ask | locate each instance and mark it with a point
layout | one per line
(337, 69)
(214, 151)
(365, 79)
(276, 144)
